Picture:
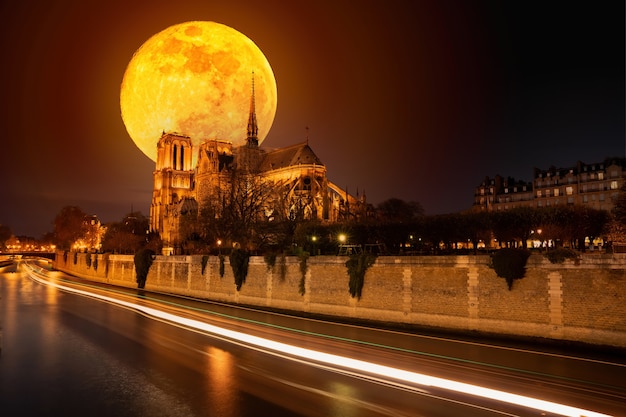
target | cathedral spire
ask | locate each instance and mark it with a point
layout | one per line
(253, 129)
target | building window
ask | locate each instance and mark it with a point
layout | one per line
(569, 190)
(602, 197)
(570, 200)
(585, 199)
(538, 193)
(614, 185)
(600, 175)
(556, 192)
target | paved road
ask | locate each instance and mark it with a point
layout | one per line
(123, 352)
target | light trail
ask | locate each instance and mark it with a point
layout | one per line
(387, 373)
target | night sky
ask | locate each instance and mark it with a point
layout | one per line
(418, 100)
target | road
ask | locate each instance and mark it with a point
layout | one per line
(71, 347)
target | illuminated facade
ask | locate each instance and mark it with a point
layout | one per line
(594, 185)
(295, 173)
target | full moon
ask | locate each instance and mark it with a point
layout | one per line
(195, 78)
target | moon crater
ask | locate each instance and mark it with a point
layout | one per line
(195, 78)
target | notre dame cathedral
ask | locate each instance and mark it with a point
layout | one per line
(181, 191)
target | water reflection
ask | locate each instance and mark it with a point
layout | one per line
(222, 388)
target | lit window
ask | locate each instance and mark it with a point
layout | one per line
(569, 190)
(614, 185)
(600, 175)
(538, 193)
(556, 192)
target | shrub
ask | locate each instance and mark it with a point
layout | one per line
(283, 267)
(95, 263)
(357, 266)
(559, 255)
(143, 261)
(239, 259)
(88, 259)
(270, 260)
(221, 257)
(510, 264)
(205, 259)
(75, 258)
(105, 259)
(303, 256)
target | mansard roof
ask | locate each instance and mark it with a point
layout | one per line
(300, 154)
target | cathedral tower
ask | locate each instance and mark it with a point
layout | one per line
(249, 155)
(173, 183)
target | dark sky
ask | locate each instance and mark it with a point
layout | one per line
(418, 100)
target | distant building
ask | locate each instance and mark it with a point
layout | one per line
(594, 185)
(181, 191)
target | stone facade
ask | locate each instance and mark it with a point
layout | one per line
(583, 302)
(295, 176)
(593, 185)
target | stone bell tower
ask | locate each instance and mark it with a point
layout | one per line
(173, 183)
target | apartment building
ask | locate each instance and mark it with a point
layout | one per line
(595, 185)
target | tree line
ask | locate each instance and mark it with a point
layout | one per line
(398, 226)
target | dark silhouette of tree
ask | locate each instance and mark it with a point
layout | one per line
(143, 260)
(619, 209)
(395, 210)
(129, 235)
(244, 208)
(69, 226)
(5, 234)
(474, 227)
(514, 225)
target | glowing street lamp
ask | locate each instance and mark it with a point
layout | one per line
(342, 238)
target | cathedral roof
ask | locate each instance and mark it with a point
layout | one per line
(300, 154)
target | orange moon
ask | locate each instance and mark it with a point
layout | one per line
(195, 78)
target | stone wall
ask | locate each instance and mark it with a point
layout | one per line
(584, 301)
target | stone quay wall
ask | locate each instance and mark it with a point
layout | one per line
(583, 301)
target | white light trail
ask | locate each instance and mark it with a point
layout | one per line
(337, 361)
